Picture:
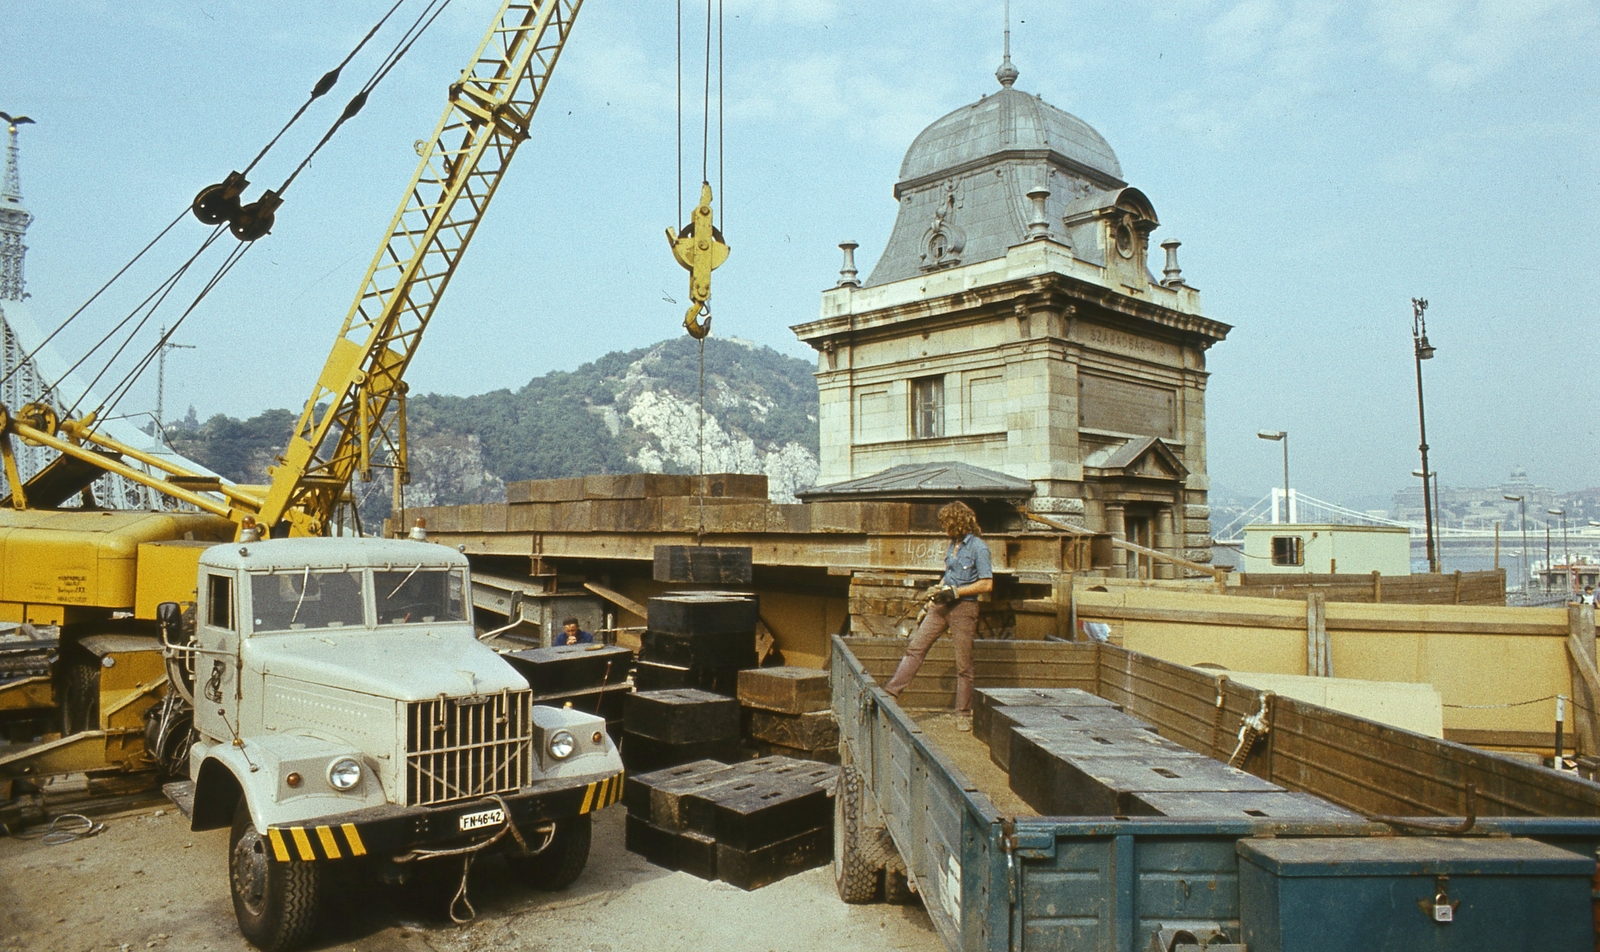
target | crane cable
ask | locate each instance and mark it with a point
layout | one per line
(697, 329)
(323, 85)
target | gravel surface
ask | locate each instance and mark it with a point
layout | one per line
(146, 882)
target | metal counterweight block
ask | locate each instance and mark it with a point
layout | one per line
(761, 809)
(735, 649)
(1288, 805)
(567, 668)
(703, 613)
(682, 716)
(1003, 721)
(1066, 785)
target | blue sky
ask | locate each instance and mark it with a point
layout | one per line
(1321, 163)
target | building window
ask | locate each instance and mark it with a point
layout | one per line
(1288, 550)
(927, 407)
(219, 601)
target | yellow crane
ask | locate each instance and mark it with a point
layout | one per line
(100, 574)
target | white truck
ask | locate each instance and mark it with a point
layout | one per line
(348, 720)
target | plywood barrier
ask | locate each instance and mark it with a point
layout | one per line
(1497, 669)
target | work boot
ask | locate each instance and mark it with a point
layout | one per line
(964, 722)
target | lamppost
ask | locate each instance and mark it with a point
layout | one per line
(1566, 552)
(1522, 504)
(1423, 351)
(1438, 516)
(1283, 437)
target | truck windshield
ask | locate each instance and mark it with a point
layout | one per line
(420, 594)
(291, 601)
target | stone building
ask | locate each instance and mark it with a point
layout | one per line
(1012, 323)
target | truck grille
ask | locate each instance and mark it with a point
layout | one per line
(459, 748)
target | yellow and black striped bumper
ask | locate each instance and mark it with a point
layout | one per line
(390, 831)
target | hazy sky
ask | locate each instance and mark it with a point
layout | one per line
(1321, 163)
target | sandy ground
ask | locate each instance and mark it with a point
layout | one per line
(149, 883)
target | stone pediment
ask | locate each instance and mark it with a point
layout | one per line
(1147, 458)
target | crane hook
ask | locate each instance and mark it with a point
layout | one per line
(700, 249)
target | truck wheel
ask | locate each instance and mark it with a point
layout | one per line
(858, 857)
(561, 863)
(275, 903)
(80, 707)
(897, 887)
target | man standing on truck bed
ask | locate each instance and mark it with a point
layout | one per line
(952, 604)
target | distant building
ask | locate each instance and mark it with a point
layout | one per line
(1326, 549)
(1013, 324)
(1479, 507)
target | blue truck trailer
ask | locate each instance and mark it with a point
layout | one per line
(1428, 845)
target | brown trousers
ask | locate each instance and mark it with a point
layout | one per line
(961, 619)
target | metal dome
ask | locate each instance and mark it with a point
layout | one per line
(1007, 121)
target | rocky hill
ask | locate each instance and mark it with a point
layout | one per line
(629, 411)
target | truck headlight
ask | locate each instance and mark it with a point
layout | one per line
(562, 744)
(344, 774)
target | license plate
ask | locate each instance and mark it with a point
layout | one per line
(481, 819)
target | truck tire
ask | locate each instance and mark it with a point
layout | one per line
(275, 903)
(80, 704)
(560, 864)
(897, 886)
(859, 857)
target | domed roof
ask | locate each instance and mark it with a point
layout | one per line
(1006, 121)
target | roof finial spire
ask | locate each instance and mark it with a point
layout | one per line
(1007, 74)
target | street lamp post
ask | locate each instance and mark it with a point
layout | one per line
(1566, 551)
(1438, 517)
(1522, 504)
(1281, 436)
(1423, 351)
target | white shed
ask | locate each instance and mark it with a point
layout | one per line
(1327, 549)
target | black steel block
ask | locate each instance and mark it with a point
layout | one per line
(703, 564)
(719, 650)
(606, 704)
(752, 869)
(646, 753)
(1233, 806)
(825, 755)
(639, 788)
(986, 699)
(759, 809)
(703, 613)
(1003, 721)
(650, 676)
(1066, 785)
(569, 668)
(688, 852)
(682, 716)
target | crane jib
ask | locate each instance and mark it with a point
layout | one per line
(486, 119)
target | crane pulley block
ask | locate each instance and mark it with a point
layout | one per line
(700, 249)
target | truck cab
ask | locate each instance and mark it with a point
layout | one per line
(346, 715)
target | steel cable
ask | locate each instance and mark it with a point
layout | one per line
(401, 48)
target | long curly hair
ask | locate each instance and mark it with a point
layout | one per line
(958, 519)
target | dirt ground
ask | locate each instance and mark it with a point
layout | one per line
(146, 882)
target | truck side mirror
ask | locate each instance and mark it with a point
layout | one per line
(169, 615)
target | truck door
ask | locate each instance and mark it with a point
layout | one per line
(216, 671)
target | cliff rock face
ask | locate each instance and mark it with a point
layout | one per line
(673, 438)
(629, 411)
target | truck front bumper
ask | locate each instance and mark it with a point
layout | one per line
(391, 831)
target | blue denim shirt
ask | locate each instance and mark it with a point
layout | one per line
(965, 562)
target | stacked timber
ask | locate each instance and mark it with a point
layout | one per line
(659, 502)
(789, 711)
(667, 728)
(748, 824)
(591, 678)
(1070, 753)
(698, 640)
